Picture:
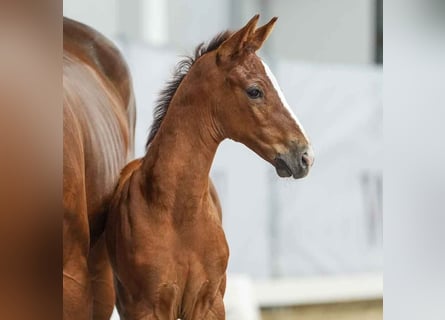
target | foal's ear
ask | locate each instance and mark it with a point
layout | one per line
(260, 35)
(235, 45)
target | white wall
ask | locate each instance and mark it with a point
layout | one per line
(192, 22)
(340, 31)
(100, 14)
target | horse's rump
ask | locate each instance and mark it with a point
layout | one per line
(99, 117)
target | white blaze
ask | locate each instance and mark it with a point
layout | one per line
(282, 97)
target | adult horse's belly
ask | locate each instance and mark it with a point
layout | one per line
(95, 117)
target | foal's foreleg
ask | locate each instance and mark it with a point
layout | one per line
(216, 311)
(210, 307)
(164, 308)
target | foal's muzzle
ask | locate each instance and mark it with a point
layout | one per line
(296, 162)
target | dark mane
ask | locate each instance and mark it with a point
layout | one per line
(166, 94)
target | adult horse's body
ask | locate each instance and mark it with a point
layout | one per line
(164, 232)
(98, 115)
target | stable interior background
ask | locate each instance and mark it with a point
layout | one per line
(306, 249)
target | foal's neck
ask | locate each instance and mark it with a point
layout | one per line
(177, 164)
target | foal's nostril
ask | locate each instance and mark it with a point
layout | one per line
(307, 159)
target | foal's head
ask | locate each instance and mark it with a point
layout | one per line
(227, 82)
(251, 107)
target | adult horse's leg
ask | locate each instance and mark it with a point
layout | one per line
(101, 281)
(76, 283)
(77, 302)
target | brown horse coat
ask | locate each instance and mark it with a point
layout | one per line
(98, 128)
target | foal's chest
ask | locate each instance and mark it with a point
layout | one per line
(194, 272)
(204, 251)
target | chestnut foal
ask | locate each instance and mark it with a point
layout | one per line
(164, 232)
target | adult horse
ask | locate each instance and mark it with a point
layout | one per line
(98, 126)
(164, 232)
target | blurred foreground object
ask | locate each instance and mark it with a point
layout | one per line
(30, 161)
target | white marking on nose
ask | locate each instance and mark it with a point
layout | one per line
(283, 98)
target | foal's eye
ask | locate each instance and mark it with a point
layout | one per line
(254, 93)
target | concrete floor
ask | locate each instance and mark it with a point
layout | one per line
(363, 310)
